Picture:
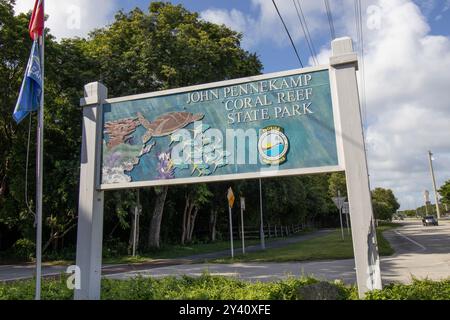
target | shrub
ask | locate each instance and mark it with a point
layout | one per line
(114, 247)
(418, 290)
(24, 249)
(220, 288)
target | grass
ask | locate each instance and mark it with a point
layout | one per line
(179, 251)
(165, 252)
(327, 247)
(208, 287)
(384, 245)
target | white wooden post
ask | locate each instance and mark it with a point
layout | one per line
(344, 63)
(90, 207)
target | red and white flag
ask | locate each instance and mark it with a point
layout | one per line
(36, 25)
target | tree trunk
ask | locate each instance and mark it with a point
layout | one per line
(137, 229)
(192, 224)
(155, 223)
(133, 222)
(185, 212)
(188, 221)
(212, 225)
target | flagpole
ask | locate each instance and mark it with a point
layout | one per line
(39, 175)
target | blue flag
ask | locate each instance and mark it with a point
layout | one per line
(31, 90)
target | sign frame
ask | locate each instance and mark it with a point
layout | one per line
(236, 176)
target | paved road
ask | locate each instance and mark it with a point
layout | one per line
(420, 252)
(16, 272)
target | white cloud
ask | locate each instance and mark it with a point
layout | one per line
(234, 19)
(408, 109)
(407, 101)
(74, 17)
(267, 25)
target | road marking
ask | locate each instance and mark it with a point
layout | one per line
(411, 240)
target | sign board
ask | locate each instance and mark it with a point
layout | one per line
(346, 208)
(230, 197)
(277, 124)
(242, 203)
(338, 201)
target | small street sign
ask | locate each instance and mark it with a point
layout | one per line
(230, 196)
(242, 203)
(346, 208)
(338, 201)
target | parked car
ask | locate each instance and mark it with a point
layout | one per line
(430, 221)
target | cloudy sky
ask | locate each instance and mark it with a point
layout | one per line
(407, 45)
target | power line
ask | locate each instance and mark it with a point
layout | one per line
(330, 19)
(289, 35)
(304, 25)
(360, 37)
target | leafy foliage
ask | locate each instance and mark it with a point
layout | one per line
(385, 205)
(337, 183)
(169, 288)
(219, 288)
(444, 191)
(418, 290)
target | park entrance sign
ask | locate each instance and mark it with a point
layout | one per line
(290, 123)
(270, 125)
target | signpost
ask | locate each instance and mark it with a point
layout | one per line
(242, 224)
(230, 197)
(282, 124)
(339, 202)
(346, 211)
(261, 220)
(137, 211)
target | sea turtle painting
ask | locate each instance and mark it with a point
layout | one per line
(167, 123)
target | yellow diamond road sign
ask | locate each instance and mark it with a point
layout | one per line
(230, 197)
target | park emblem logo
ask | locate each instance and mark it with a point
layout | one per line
(273, 145)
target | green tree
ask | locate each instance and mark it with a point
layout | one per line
(67, 69)
(444, 191)
(385, 205)
(196, 197)
(337, 183)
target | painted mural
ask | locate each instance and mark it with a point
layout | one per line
(291, 118)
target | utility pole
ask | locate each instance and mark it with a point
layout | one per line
(242, 224)
(430, 159)
(340, 216)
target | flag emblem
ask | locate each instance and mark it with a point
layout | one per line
(31, 90)
(36, 25)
